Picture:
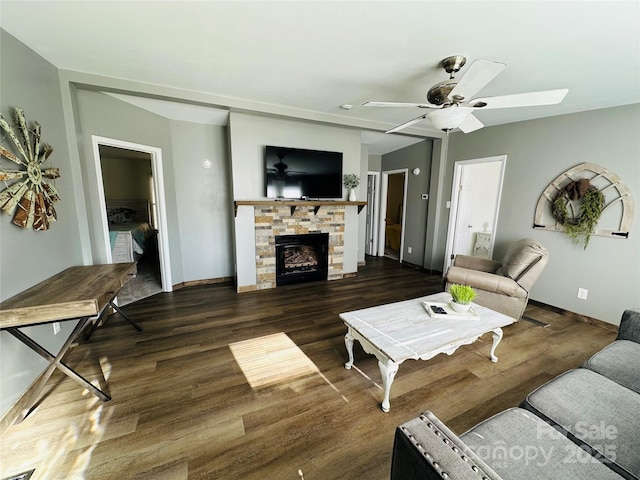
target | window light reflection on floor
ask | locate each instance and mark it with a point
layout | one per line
(271, 360)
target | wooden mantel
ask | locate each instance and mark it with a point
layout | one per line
(293, 204)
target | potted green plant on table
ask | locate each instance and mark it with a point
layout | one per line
(351, 181)
(461, 296)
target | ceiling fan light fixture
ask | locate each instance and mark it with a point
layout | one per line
(447, 119)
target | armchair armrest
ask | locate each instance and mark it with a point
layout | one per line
(483, 281)
(424, 448)
(630, 326)
(476, 263)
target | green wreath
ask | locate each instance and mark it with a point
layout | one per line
(579, 226)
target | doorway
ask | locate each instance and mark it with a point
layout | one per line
(393, 202)
(475, 203)
(373, 186)
(144, 175)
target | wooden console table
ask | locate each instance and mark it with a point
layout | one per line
(77, 293)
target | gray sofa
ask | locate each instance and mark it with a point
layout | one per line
(583, 424)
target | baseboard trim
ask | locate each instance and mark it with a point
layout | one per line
(206, 281)
(582, 318)
(421, 268)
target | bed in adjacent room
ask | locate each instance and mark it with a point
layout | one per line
(130, 229)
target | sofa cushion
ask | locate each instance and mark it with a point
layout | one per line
(595, 412)
(630, 325)
(518, 445)
(620, 362)
(424, 448)
(520, 257)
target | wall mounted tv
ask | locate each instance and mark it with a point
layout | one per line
(295, 173)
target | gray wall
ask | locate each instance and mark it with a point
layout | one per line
(203, 200)
(537, 152)
(126, 178)
(105, 116)
(416, 155)
(197, 199)
(28, 257)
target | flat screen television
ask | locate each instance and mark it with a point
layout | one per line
(295, 173)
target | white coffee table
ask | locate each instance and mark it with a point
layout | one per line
(401, 331)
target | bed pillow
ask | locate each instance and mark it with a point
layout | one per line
(121, 215)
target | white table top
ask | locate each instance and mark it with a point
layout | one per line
(404, 330)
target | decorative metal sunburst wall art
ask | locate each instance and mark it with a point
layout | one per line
(30, 197)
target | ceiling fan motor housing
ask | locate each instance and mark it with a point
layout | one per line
(439, 93)
(452, 65)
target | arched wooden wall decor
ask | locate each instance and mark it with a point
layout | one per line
(30, 198)
(617, 213)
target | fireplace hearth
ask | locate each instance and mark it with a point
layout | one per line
(301, 258)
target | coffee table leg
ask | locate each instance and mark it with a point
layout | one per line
(497, 336)
(348, 341)
(388, 371)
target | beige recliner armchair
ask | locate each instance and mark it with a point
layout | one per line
(501, 286)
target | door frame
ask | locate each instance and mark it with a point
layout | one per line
(457, 174)
(383, 209)
(373, 213)
(158, 190)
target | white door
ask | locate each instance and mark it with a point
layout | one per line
(462, 237)
(371, 243)
(475, 203)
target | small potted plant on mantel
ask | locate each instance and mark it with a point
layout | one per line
(461, 295)
(351, 181)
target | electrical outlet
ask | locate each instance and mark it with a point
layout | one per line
(582, 293)
(409, 249)
(56, 328)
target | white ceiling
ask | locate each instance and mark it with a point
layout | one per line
(313, 56)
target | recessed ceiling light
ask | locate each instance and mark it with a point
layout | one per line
(346, 106)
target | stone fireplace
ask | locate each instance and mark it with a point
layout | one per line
(301, 258)
(280, 221)
(259, 222)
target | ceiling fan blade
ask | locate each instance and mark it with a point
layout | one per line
(531, 99)
(470, 124)
(398, 104)
(477, 76)
(407, 124)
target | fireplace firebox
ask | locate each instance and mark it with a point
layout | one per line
(301, 258)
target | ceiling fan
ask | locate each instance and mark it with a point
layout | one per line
(451, 104)
(280, 169)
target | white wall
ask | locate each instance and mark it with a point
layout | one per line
(540, 150)
(248, 136)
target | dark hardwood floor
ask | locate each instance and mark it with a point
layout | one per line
(184, 408)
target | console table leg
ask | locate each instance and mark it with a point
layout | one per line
(348, 341)
(497, 336)
(388, 371)
(126, 317)
(55, 361)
